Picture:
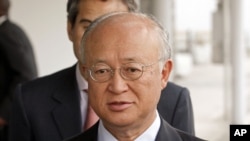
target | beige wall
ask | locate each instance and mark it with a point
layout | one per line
(45, 23)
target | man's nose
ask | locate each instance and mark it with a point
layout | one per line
(117, 84)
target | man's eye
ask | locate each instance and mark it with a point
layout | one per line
(132, 70)
(85, 27)
(102, 71)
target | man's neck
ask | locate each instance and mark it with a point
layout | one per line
(3, 19)
(129, 134)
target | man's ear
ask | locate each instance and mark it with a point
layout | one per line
(83, 70)
(166, 72)
(69, 30)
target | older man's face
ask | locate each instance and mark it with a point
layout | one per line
(118, 101)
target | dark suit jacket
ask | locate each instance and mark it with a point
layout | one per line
(175, 107)
(48, 108)
(17, 63)
(166, 133)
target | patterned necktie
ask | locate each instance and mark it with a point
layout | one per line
(91, 117)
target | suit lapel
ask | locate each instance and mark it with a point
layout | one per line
(167, 133)
(89, 135)
(67, 114)
(92, 133)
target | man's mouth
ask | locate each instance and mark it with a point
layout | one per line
(118, 106)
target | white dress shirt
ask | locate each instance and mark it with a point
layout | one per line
(82, 85)
(149, 135)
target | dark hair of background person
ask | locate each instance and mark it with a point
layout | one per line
(72, 8)
(4, 7)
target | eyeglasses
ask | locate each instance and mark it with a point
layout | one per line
(131, 71)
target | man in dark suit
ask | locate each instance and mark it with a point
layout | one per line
(175, 107)
(17, 63)
(125, 76)
(172, 134)
(53, 107)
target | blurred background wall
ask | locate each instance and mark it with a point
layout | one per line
(45, 23)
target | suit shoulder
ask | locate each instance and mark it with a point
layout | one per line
(89, 135)
(175, 89)
(187, 137)
(52, 80)
(172, 85)
(10, 31)
(168, 132)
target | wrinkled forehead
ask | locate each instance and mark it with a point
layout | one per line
(124, 34)
(124, 31)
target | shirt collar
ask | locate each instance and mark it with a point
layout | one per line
(149, 135)
(2, 19)
(82, 83)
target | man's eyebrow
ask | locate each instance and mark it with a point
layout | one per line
(85, 20)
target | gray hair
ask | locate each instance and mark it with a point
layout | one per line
(73, 9)
(164, 49)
